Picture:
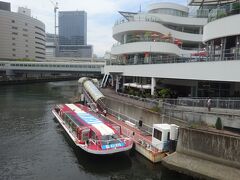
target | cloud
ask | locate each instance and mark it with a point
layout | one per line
(101, 15)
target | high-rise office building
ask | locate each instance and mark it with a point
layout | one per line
(73, 34)
(5, 6)
(21, 36)
(72, 28)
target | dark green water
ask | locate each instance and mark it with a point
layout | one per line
(34, 146)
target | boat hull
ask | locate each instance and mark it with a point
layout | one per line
(85, 146)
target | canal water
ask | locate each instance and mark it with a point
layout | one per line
(34, 146)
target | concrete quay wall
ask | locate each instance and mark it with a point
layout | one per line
(208, 145)
(206, 154)
(139, 113)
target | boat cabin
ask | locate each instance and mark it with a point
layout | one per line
(89, 129)
(162, 134)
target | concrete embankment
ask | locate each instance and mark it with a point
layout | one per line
(138, 112)
(206, 154)
(14, 81)
(200, 153)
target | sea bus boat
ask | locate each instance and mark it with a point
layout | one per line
(91, 131)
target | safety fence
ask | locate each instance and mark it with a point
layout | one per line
(215, 103)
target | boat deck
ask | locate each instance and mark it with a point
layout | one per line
(141, 139)
(138, 136)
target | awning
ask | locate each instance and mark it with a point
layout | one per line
(146, 86)
(137, 85)
(130, 84)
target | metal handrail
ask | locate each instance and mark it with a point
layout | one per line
(191, 102)
(176, 59)
(96, 141)
(215, 103)
(222, 12)
(121, 116)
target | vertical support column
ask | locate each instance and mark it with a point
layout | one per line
(124, 38)
(213, 50)
(153, 84)
(117, 83)
(194, 89)
(123, 82)
(237, 52)
(223, 48)
(112, 81)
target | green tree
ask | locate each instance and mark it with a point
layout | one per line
(164, 93)
(218, 124)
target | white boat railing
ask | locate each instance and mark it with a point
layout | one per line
(146, 143)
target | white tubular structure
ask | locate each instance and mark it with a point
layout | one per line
(92, 90)
(89, 89)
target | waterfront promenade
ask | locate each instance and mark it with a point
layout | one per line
(202, 152)
(183, 114)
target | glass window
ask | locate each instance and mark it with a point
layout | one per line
(157, 134)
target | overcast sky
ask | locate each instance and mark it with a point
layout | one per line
(101, 15)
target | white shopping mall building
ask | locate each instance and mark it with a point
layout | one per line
(192, 52)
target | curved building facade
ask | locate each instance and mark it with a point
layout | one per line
(21, 36)
(166, 30)
(194, 55)
(222, 33)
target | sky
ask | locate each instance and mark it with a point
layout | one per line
(101, 15)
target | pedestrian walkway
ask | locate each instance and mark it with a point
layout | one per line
(187, 114)
(204, 110)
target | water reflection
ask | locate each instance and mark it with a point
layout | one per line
(99, 164)
(34, 146)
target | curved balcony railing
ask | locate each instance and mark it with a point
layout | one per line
(146, 39)
(224, 56)
(150, 39)
(152, 19)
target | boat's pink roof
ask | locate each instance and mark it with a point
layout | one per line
(88, 119)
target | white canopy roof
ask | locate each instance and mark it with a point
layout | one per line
(208, 2)
(136, 85)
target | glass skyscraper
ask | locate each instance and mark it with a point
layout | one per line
(73, 34)
(72, 28)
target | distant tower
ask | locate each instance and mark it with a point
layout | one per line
(5, 6)
(72, 28)
(73, 34)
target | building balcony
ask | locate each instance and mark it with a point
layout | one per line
(142, 47)
(149, 26)
(153, 58)
(224, 11)
(223, 27)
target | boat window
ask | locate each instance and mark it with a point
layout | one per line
(93, 135)
(110, 139)
(73, 119)
(64, 117)
(85, 135)
(74, 127)
(118, 129)
(157, 134)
